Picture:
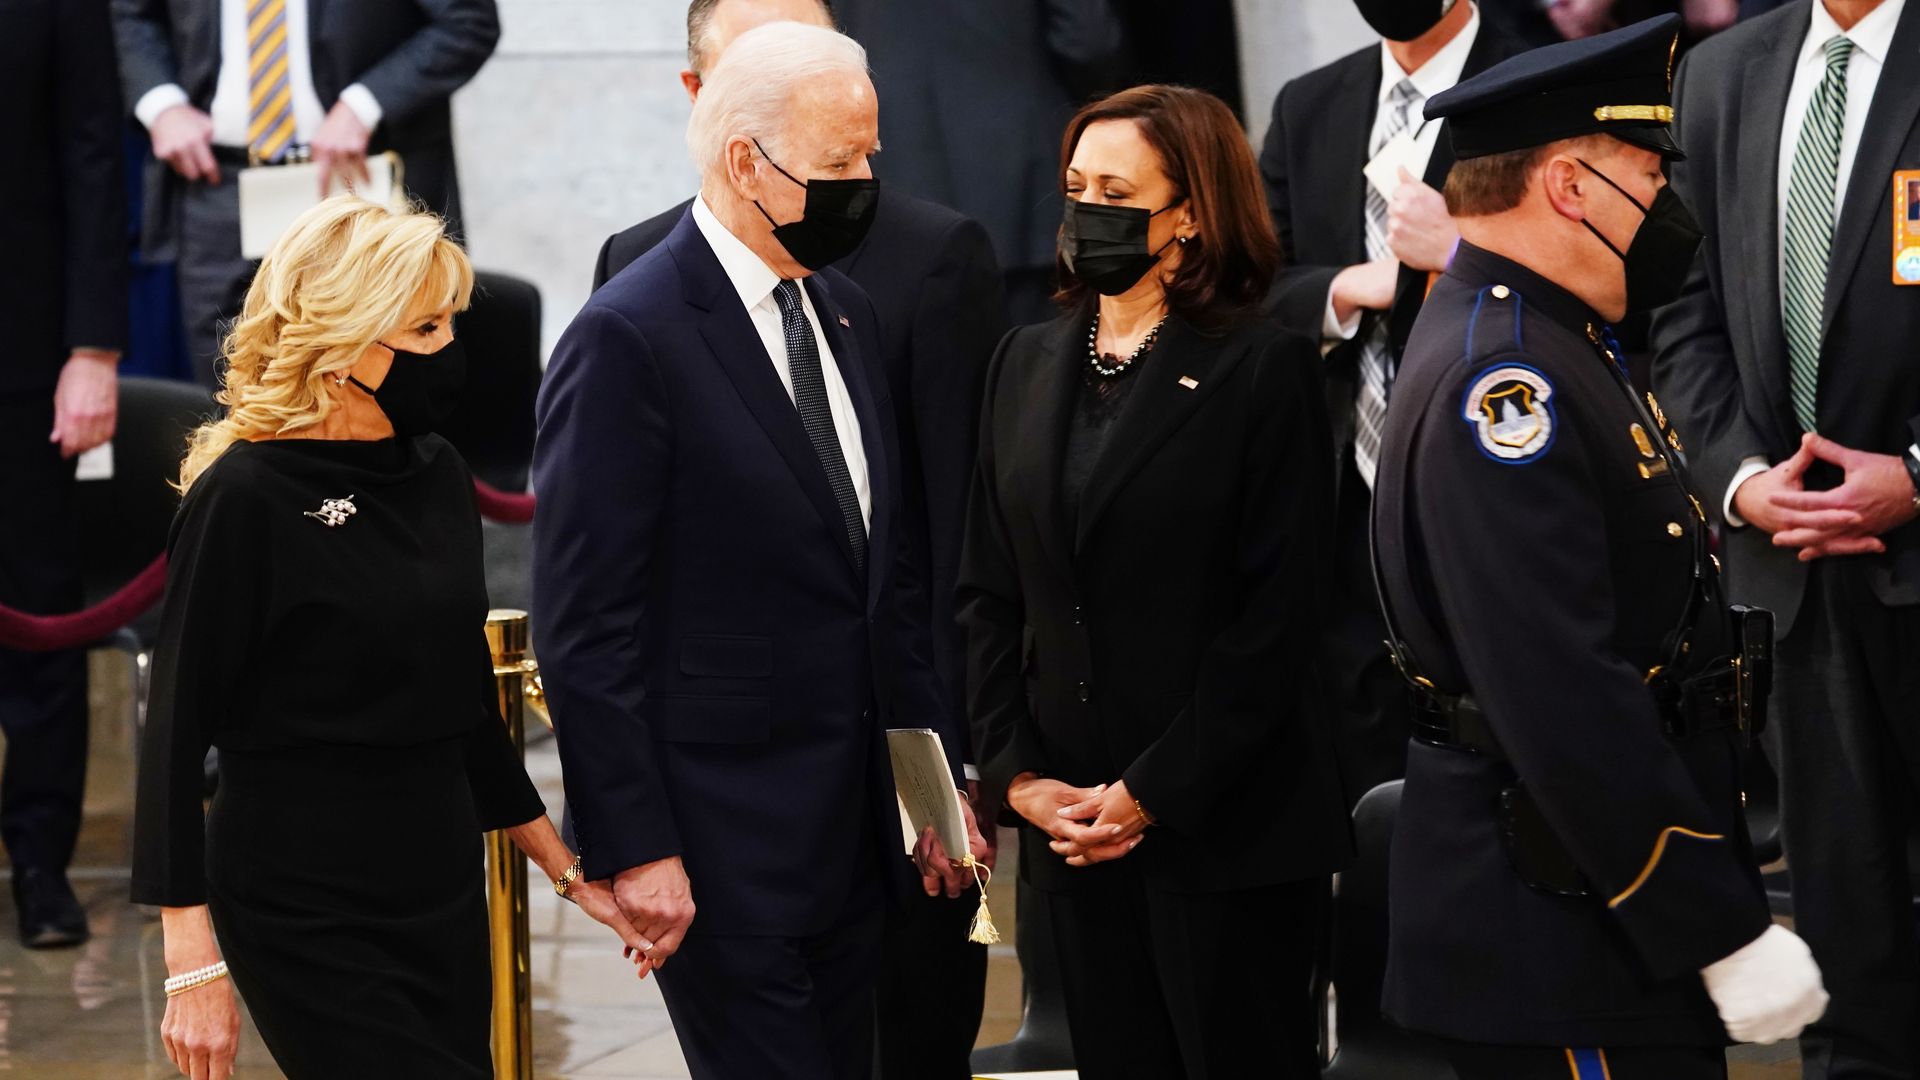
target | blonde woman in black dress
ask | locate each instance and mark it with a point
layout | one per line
(323, 628)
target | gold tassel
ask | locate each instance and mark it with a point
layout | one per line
(981, 931)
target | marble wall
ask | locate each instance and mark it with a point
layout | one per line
(574, 129)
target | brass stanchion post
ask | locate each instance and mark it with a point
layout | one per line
(507, 869)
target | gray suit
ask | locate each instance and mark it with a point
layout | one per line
(410, 54)
(1847, 732)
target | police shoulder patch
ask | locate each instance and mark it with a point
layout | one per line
(1510, 407)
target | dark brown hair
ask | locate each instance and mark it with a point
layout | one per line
(1226, 268)
(1495, 183)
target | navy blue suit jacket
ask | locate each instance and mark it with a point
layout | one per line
(720, 675)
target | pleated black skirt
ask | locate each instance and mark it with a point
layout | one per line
(348, 893)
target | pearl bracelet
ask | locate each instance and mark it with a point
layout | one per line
(193, 980)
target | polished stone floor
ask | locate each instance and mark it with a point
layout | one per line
(92, 1013)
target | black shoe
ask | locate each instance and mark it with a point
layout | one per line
(50, 915)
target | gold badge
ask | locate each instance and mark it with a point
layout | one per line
(1658, 416)
(1640, 440)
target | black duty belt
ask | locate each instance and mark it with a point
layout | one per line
(1704, 703)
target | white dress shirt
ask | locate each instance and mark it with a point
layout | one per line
(1439, 74)
(1872, 37)
(231, 107)
(755, 281)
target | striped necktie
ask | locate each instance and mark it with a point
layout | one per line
(1376, 349)
(269, 89)
(816, 415)
(1809, 236)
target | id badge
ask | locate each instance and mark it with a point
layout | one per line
(1906, 227)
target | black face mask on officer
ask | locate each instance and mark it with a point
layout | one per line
(1661, 251)
(1403, 20)
(837, 216)
(421, 389)
(1106, 246)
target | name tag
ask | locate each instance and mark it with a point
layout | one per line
(1906, 227)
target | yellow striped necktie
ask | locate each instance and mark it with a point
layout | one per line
(269, 88)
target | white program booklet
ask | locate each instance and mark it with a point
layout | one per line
(924, 784)
(272, 196)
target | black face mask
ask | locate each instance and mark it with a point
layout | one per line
(420, 389)
(1661, 251)
(837, 216)
(1403, 20)
(1106, 246)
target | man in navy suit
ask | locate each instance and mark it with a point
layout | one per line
(728, 617)
(936, 287)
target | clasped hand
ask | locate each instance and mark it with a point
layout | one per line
(1875, 497)
(1087, 825)
(655, 901)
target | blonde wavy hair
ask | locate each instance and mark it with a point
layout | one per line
(346, 274)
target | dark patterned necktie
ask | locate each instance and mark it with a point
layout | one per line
(1376, 349)
(810, 397)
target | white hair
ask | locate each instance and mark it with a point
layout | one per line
(750, 89)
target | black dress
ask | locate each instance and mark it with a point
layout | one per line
(323, 628)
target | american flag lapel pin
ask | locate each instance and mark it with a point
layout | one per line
(845, 323)
(1189, 382)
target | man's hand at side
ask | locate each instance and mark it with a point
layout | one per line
(183, 138)
(340, 148)
(86, 401)
(657, 899)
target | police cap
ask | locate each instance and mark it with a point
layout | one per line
(1619, 83)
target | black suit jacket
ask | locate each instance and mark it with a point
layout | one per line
(1721, 361)
(720, 674)
(63, 282)
(935, 286)
(410, 54)
(977, 95)
(1315, 148)
(1164, 631)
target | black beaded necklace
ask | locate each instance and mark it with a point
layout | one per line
(1114, 365)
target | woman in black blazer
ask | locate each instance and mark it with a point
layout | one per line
(1142, 587)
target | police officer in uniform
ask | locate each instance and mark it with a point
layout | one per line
(1574, 892)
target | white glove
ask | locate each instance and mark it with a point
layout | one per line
(1769, 989)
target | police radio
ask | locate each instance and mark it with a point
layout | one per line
(1754, 667)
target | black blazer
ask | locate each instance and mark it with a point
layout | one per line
(935, 286)
(720, 675)
(63, 282)
(1166, 633)
(1721, 361)
(1315, 148)
(410, 54)
(977, 95)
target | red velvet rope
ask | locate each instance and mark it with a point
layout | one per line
(53, 633)
(501, 506)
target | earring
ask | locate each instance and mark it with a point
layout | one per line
(340, 379)
(1184, 239)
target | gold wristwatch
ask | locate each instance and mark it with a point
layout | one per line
(564, 882)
